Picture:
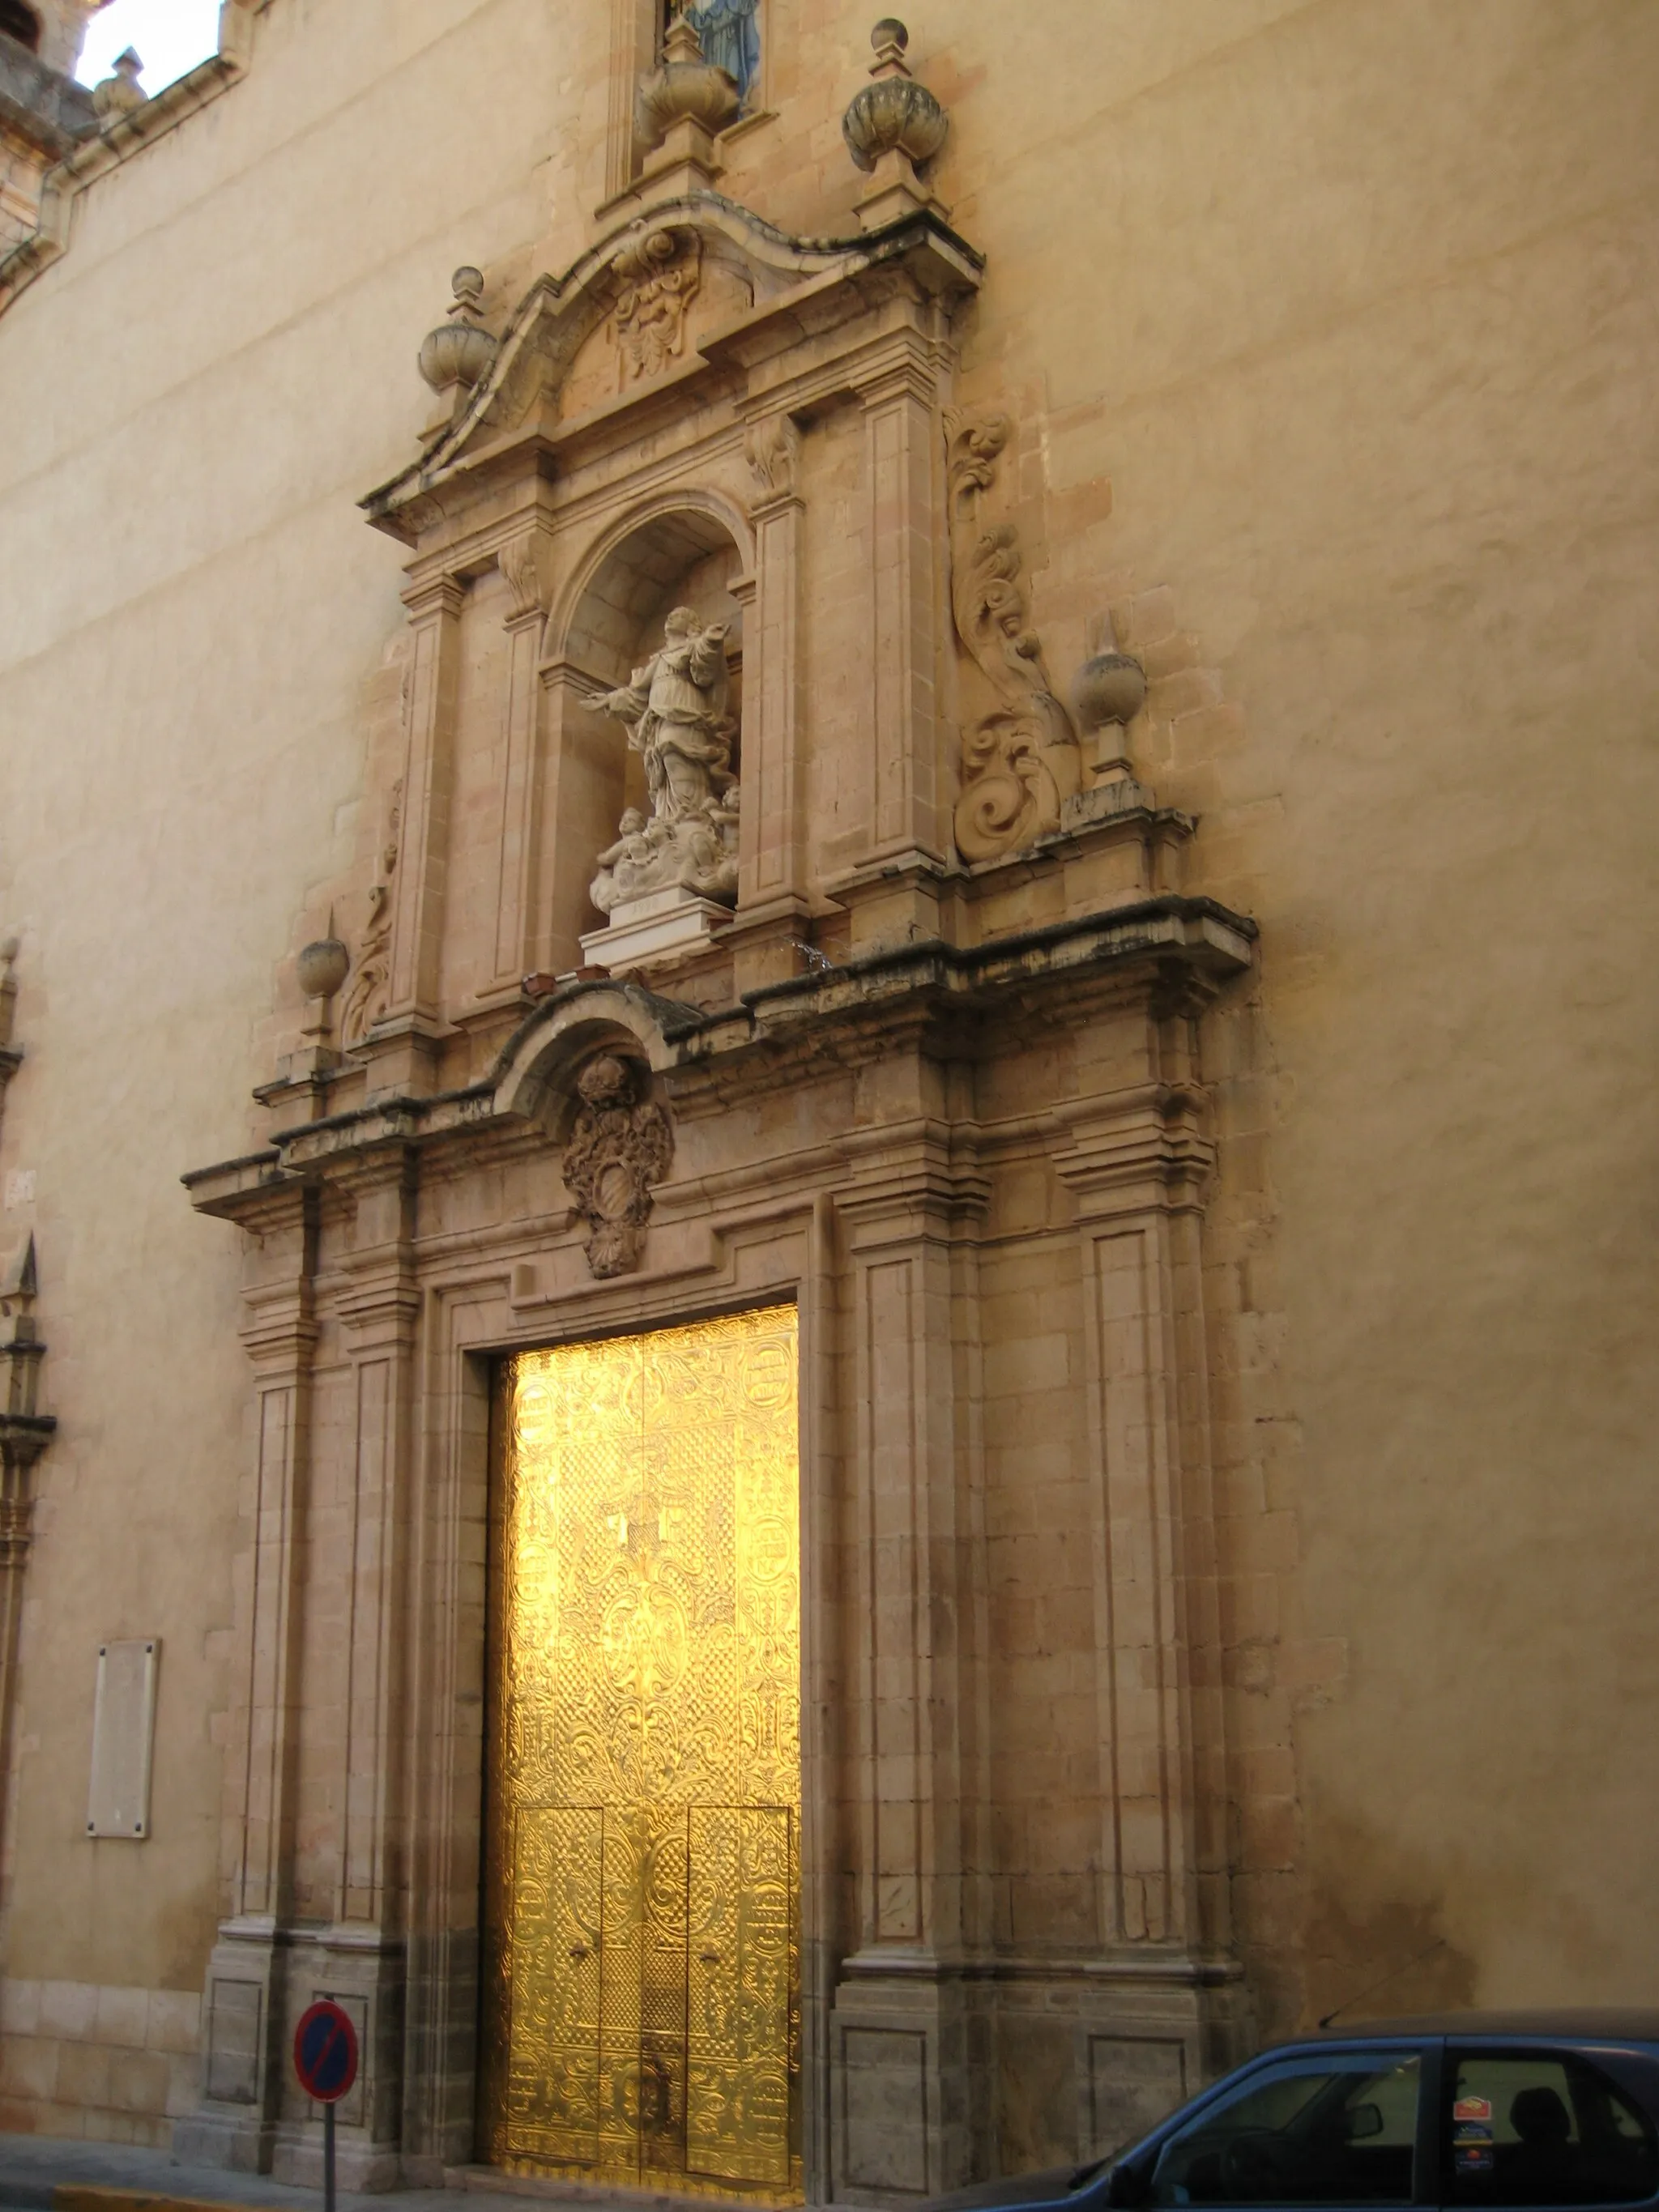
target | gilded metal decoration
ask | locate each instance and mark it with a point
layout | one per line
(620, 1144)
(642, 1876)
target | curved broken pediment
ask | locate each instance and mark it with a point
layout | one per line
(690, 278)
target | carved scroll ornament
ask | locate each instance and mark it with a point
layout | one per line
(1020, 762)
(620, 1145)
(367, 1001)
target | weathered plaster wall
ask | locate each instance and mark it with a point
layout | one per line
(1325, 326)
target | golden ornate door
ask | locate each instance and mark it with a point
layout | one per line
(642, 1862)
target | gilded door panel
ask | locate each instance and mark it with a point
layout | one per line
(641, 1878)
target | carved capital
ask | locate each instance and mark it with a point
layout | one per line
(772, 448)
(520, 561)
(622, 1143)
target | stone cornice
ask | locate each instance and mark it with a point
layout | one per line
(940, 999)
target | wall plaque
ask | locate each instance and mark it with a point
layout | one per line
(123, 1727)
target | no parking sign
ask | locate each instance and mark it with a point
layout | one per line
(325, 2060)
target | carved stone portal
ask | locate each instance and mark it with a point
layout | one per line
(622, 1143)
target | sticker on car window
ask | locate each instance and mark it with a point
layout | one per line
(1471, 2108)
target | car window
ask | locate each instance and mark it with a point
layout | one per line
(1337, 2128)
(1544, 2128)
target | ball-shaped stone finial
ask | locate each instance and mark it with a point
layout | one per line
(461, 350)
(890, 32)
(1109, 687)
(323, 966)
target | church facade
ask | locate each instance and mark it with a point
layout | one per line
(826, 1236)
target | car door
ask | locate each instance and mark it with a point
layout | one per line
(1326, 2126)
(1528, 2125)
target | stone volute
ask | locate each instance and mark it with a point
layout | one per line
(893, 128)
(459, 352)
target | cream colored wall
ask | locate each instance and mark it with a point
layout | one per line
(1330, 318)
(192, 616)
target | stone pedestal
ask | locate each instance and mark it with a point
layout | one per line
(662, 926)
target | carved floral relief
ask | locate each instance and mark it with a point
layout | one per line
(621, 1144)
(1021, 762)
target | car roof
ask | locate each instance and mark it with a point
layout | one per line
(1619, 2024)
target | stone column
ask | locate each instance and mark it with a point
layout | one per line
(520, 886)
(400, 1045)
(244, 2011)
(902, 2056)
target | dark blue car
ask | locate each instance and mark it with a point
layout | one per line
(1461, 2110)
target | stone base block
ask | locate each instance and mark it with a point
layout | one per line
(664, 925)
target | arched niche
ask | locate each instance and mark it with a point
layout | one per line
(692, 552)
(22, 23)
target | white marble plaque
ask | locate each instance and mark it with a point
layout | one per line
(123, 1728)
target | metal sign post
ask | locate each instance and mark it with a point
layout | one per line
(325, 2060)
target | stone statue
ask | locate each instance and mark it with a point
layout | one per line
(729, 34)
(676, 711)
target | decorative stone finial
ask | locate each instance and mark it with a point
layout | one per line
(1108, 691)
(323, 966)
(458, 353)
(685, 88)
(892, 129)
(118, 95)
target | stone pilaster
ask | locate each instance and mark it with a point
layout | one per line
(773, 912)
(582, 801)
(521, 863)
(1137, 1162)
(245, 2003)
(359, 1595)
(400, 1047)
(901, 2061)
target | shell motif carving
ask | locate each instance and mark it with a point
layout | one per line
(1021, 763)
(622, 1143)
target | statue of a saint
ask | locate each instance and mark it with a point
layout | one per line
(675, 710)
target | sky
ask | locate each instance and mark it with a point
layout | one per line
(169, 36)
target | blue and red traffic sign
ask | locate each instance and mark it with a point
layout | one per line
(325, 2052)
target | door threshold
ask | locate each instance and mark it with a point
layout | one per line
(563, 2189)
